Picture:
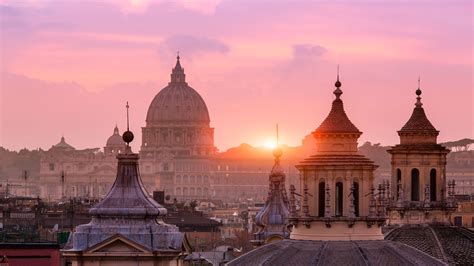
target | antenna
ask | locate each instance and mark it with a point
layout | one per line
(337, 71)
(418, 82)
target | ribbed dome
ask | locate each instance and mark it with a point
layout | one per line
(177, 102)
(115, 139)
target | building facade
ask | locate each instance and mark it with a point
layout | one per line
(66, 172)
(419, 185)
(177, 141)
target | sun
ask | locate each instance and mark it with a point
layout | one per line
(270, 143)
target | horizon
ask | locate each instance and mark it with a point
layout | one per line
(255, 65)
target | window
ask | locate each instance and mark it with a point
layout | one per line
(51, 167)
(433, 185)
(165, 167)
(339, 198)
(399, 181)
(321, 199)
(356, 198)
(415, 184)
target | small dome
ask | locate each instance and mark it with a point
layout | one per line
(63, 145)
(177, 102)
(115, 139)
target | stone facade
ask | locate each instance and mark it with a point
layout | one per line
(177, 141)
(68, 172)
(419, 185)
(337, 185)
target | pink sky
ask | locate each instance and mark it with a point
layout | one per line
(67, 67)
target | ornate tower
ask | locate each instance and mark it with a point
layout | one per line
(126, 226)
(419, 185)
(338, 199)
(273, 217)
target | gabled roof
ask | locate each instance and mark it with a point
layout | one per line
(117, 243)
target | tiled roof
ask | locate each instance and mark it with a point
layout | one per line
(454, 245)
(418, 122)
(305, 252)
(337, 120)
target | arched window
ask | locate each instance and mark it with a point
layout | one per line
(321, 199)
(178, 191)
(356, 198)
(415, 185)
(178, 179)
(433, 185)
(399, 181)
(339, 197)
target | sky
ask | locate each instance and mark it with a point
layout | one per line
(68, 67)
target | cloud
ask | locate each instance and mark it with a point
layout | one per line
(308, 51)
(191, 46)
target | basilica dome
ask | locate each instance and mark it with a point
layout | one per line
(177, 102)
(115, 139)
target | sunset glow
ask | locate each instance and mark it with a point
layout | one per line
(253, 62)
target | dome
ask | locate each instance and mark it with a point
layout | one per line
(177, 102)
(63, 145)
(308, 252)
(115, 139)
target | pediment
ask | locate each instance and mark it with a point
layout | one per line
(117, 244)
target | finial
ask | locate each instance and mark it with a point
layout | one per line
(418, 93)
(338, 83)
(127, 135)
(277, 152)
(177, 55)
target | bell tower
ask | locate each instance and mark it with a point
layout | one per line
(419, 187)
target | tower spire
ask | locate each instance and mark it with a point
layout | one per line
(127, 135)
(418, 93)
(177, 74)
(338, 84)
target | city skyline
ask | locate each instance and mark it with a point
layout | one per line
(63, 75)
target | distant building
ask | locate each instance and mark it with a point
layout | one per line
(177, 141)
(66, 172)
